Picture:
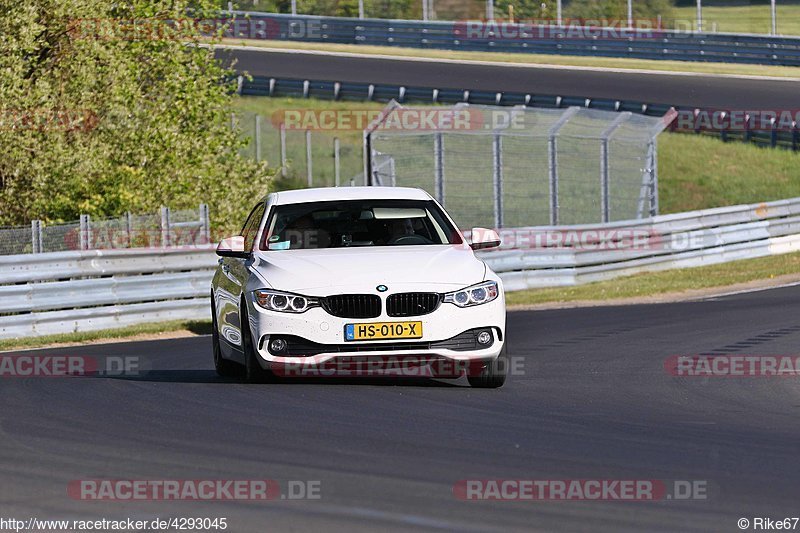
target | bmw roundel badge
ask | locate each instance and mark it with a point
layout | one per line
(382, 288)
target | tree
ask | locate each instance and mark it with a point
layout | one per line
(107, 107)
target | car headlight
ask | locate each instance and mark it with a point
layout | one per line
(474, 295)
(284, 302)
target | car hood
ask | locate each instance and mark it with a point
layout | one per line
(362, 269)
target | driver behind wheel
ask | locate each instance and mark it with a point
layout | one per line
(398, 228)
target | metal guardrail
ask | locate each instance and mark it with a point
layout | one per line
(64, 292)
(332, 90)
(639, 44)
(663, 242)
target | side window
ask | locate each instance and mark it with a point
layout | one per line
(251, 226)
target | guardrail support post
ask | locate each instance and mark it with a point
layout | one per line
(85, 231)
(438, 168)
(165, 227)
(497, 176)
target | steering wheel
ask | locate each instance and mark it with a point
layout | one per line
(411, 239)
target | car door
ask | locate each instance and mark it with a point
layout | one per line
(231, 280)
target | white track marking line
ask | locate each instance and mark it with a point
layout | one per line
(502, 63)
(744, 291)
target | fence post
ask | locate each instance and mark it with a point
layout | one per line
(497, 178)
(654, 180)
(366, 152)
(336, 162)
(309, 169)
(165, 227)
(552, 161)
(258, 137)
(774, 14)
(205, 226)
(699, 15)
(438, 157)
(86, 232)
(283, 149)
(605, 197)
(36, 236)
(129, 228)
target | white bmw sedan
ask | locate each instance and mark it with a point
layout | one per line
(357, 281)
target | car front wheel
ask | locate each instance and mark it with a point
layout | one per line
(224, 367)
(253, 371)
(493, 374)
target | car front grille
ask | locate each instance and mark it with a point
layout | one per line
(412, 303)
(352, 305)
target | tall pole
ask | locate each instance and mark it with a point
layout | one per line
(699, 15)
(294, 7)
(489, 9)
(774, 10)
(630, 14)
(558, 13)
(424, 9)
(361, 9)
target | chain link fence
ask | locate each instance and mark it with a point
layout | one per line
(167, 228)
(316, 158)
(778, 17)
(524, 166)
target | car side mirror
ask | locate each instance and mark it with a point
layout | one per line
(232, 247)
(483, 238)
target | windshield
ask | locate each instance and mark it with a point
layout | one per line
(353, 223)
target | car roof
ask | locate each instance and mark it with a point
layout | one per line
(327, 194)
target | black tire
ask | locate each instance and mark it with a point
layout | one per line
(253, 373)
(493, 374)
(224, 367)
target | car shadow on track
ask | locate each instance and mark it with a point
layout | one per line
(211, 377)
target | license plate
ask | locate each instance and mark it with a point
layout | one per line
(383, 330)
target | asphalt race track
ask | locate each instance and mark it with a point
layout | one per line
(593, 402)
(695, 90)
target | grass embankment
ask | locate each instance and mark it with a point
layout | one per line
(143, 332)
(745, 18)
(666, 282)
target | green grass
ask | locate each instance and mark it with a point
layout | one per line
(540, 59)
(697, 172)
(199, 327)
(669, 281)
(744, 18)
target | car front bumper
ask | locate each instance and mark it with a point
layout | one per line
(317, 338)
